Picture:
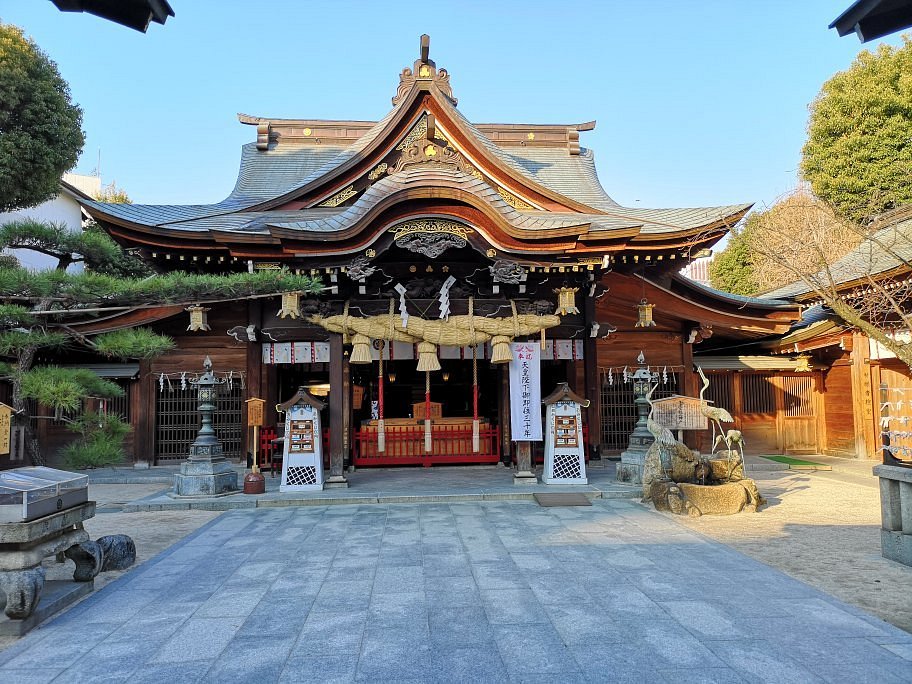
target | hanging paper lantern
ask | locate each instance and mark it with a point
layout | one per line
(644, 315)
(566, 301)
(198, 318)
(291, 305)
(427, 357)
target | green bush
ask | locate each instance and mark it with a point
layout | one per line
(100, 441)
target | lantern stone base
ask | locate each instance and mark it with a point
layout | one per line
(336, 482)
(630, 469)
(525, 477)
(205, 478)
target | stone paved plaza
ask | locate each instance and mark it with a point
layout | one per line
(487, 591)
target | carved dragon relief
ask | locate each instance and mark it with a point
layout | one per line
(430, 237)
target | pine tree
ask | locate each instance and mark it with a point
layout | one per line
(37, 309)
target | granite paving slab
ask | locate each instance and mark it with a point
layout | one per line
(445, 592)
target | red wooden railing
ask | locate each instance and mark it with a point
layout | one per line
(269, 455)
(405, 446)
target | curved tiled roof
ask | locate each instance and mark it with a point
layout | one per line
(720, 294)
(267, 175)
(572, 175)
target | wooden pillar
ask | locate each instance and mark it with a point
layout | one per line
(863, 398)
(505, 454)
(144, 416)
(254, 362)
(338, 421)
(591, 388)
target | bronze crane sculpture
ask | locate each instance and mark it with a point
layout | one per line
(716, 414)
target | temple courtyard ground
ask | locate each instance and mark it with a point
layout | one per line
(492, 591)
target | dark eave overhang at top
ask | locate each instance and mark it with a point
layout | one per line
(134, 14)
(870, 19)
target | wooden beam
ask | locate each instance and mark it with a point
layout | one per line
(337, 418)
(591, 377)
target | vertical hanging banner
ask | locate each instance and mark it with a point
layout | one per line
(525, 392)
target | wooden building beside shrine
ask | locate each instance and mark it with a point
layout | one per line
(423, 214)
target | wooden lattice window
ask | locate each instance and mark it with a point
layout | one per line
(758, 394)
(721, 391)
(618, 411)
(177, 421)
(120, 406)
(798, 393)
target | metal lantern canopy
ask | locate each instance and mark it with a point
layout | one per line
(291, 305)
(198, 318)
(644, 315)
(566, 301)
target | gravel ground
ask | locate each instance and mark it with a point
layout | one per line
(822, 528)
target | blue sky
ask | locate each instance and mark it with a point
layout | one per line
(697, 103)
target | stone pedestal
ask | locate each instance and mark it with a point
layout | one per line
(895, 512)
(630, 469)
(24, 545)
(205, 478)
(336, 482)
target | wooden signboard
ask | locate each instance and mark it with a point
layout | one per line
(255, 412)
(6, 413)
(679, 413)
(418, 410)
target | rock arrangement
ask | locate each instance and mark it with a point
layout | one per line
(684, 482)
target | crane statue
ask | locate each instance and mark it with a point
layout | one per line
(716, 414)
(661, 433)
(732, 437)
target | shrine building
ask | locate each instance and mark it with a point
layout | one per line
(439, 242)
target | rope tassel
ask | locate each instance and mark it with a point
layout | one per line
(427, 412)
(381, 424)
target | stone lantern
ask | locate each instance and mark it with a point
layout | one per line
(206, 472)
(630, 468)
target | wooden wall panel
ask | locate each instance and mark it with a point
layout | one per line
(659, 348)
(839, 415)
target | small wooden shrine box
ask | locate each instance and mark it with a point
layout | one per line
(302, 462)
(565, 458)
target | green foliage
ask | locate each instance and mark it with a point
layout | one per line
(110, 258)
(56, 240)
(65, 389)
(133, 343)
(14, 315)
(99, 289)
(41, 128)
(113, 194)
(92, 246)
(858, 154)
(732, 269)
(15, 340)
(100, 441)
